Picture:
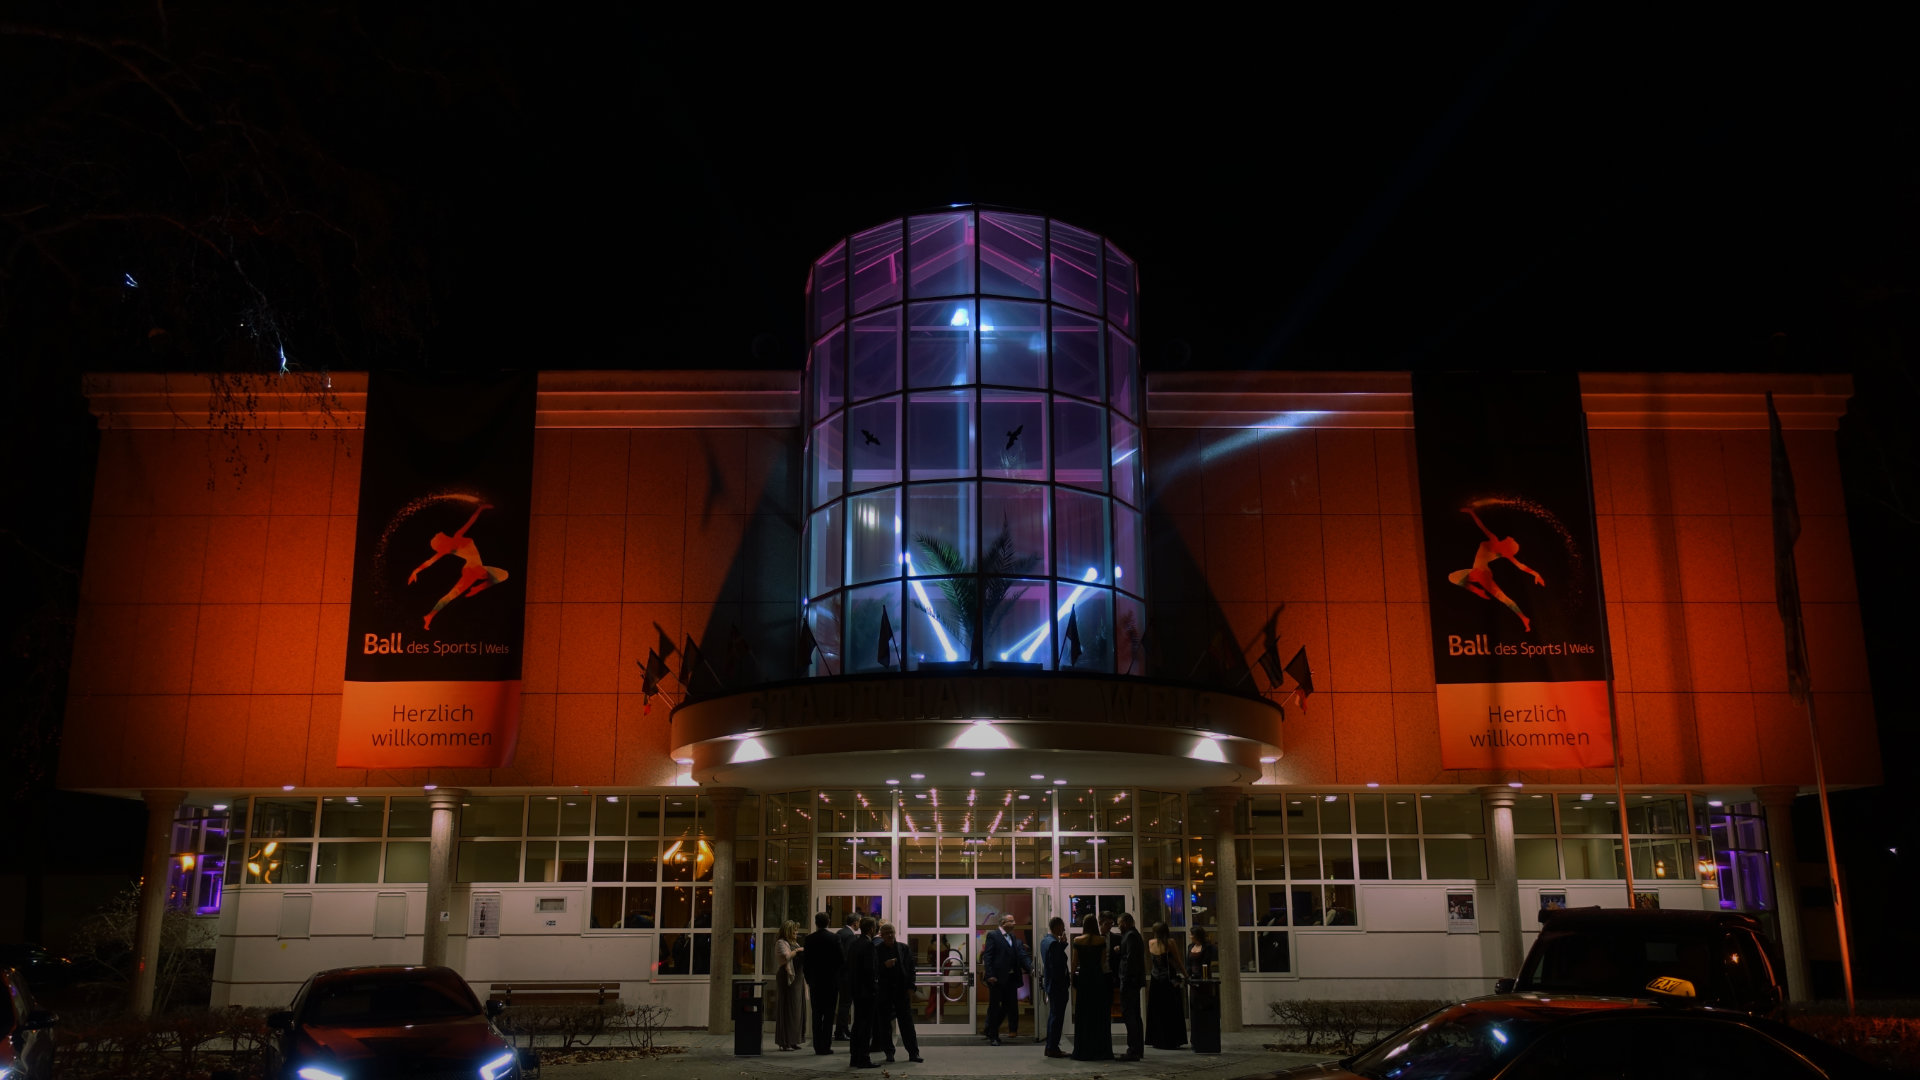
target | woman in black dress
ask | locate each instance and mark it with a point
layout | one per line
(1203, 966)
(1166, 1013)
(1092, 995)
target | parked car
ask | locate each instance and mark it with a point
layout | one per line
(45, 968)
(420, 1022)
(1619, 951)
(1581, 1037)
(26, 1030)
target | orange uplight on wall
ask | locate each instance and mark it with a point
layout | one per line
(1709, 873)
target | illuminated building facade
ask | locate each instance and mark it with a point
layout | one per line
(1036, 591)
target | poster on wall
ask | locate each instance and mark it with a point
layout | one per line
(1513, 580)
(1551, 901)
(1460, 916)
(439, 570)
(1647, 901)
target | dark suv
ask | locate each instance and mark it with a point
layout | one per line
(1723, 956)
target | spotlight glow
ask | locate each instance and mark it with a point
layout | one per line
(1033, 641)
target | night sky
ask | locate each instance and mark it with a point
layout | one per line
(353, 186)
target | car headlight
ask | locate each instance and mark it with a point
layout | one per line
(315, 1072)
(498, 1067)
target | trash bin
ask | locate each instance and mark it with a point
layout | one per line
(1203, 1014)
(749, 1013)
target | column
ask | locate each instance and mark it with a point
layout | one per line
(1498, 804)
(1786, 893)
(1222, 801)
(724, 806)
(161, 807)
(441, 858)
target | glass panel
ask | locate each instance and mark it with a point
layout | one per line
(875, 364)
(572, 861)
(407, 862)
(684, 817)
(1013, 343)
(878, 267)
(1657, 814)
(1033, 857)
(1124, 364)
(1533, 814)
(1127, 482)
(676, 907)
(873, 627)
(610, 861)
(1336, 858)
(350, 815)
(409, 815)
(604, 911)
(1341, 909)
(1161, 812)
(1402, 819)
(824, 617)
(1335, 816)
(539, 863)
(1087, 629)
(1305, 856)
(1266, 814)
(273, 818)
(1369, 814)
(873, 447)
(873, 519)
(1119, 288)
(789, 813)
(828, 366)
(640, 910)
(1013, 430)
(1014, 614)
(489, 861)
(1076, 857)
(1080, 445)
(940, 630)
(940, 344)
(556, 815)
(1587, 813)
(1080, 532)
(1077, 358)
(746, 817)
(955, 856)
(643, 861)
(824, 459)
(1537, 858)
(1116, 857)
(1457, 859)
(940, 254)
(916, 857)
(940, 433)
(1013, 256)
(1014, 526)
(941, 522)
(1373, 860)
(1162, 859)
(492, 815)
(1269, 951)
(1406, 859)
(1592, 859)
(830, 288)
(1267, 858)
(610, 815)
(1303, 818)
(340, 863)
(825, 547)
(1663, 860)
(1451, 813)
(1074, 266)
(1116, 809)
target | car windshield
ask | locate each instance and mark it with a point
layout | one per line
(1594, 962)
(376, 1000)
(1457, 1043)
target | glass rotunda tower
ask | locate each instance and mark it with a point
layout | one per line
(974, 478)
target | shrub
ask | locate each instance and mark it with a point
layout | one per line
(1345, 1026)
(1891, 1041)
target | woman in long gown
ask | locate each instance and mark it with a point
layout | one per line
(1203, 965)
(1166, 1013)
(1092, 995)
(790, 989)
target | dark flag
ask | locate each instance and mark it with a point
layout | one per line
(1270, 663)
(652, 672)
(1073, 638)
(1786, 581)
(1302, 673)
(689, 663)
(807, 645)
(886, 640)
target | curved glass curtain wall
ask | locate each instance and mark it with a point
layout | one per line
(974, 481)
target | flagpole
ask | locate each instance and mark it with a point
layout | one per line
(1613, 706)
(1833, 861)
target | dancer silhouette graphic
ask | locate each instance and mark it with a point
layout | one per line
(475, 576)
(1479, 580)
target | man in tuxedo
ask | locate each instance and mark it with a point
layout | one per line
(1133, 979)
(1003, 960)
(1055, 980)
(823, 980)
(844, 1012)
(893, 1000)
(861, 986)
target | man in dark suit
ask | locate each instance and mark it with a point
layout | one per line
(1056, 981)
(1133, 979)
(861, 987)
(1003, 960)
(823, 980)
(844, 1013)
(893, 967)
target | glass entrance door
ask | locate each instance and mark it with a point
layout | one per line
(937, 924)
(1104, 899)
(990, 906)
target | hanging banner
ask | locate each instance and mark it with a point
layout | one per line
(1513, 579)
(439, 572)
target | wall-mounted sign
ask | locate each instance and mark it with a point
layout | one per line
(1513, 580)
(439, 570)
(486, 916)
(1461, 918)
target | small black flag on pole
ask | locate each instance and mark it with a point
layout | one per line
(886, 640)
(1073, 638)
(1302, 673)
(651, 673)
(689, 662)
(1270, 663)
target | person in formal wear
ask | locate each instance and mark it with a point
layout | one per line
(1203, 967)
(1054, 979)
(1166, 976)
(790, 988)
(1003, 961)
(843, 1014)
(893, 1000)
(1092, 1000)
(1109, 929)
(1203, 956)
(822, 968)
(1133, 979)
(861, 987)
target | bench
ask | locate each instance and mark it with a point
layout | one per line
(549, 992)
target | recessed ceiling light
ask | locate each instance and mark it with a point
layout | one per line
(223, 806)
(919, 794)
(1333, 798)
(1373, 783)
(1060, 782)
(286, 787)
(917, 776)
(1038, 776)
(1268, 760)
(353, 798)
(613, 798)
(1514, 784)
(893, 781)
(683, 761)
(977, 772)
(1026, 796)
(428, 787)
(1710, 802)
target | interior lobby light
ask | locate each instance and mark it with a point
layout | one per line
(219, 806)
(893, 781)
(1037, 776)
(978, 772)
(1059, 783)
(917, 776)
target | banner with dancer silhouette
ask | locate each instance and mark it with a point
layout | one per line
(1513, 577)
(439, 569)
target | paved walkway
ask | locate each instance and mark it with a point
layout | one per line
(710, 1057)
